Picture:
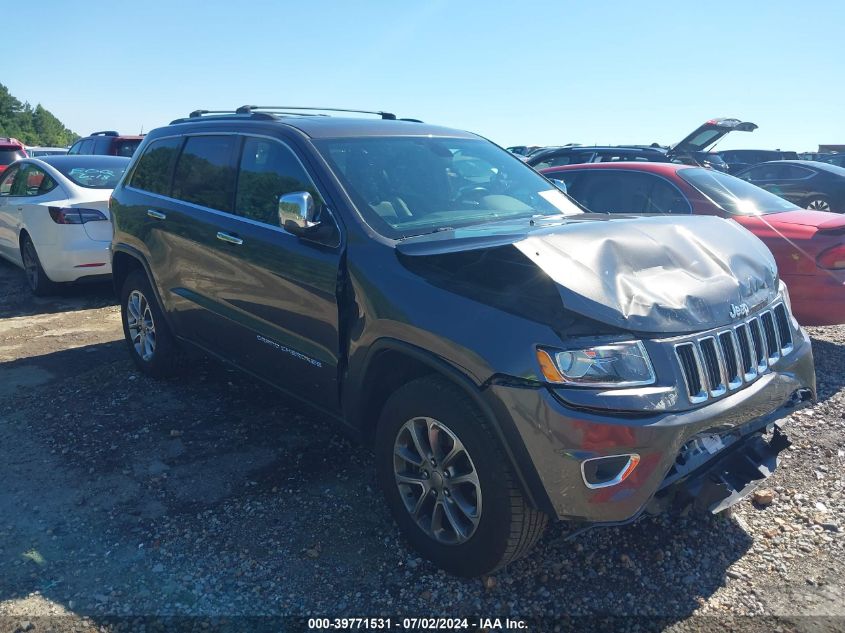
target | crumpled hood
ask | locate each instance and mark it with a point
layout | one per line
(656, 274)
(659, 274)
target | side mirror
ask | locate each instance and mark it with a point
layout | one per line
(297, 212)
(559, 184)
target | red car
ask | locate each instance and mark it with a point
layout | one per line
(11, 149)
(809, 246)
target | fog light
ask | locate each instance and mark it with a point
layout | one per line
(602, 472)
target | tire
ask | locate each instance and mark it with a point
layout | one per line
(147, 335)
(506, 527)
(37, 280)
(818, 203)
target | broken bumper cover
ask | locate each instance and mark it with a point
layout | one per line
(725, 479)
(558, 439)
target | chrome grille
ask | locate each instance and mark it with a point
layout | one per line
(723, 361)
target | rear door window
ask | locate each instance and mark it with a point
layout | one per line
(796, 172)
(206, 172)
(269, 170)
(767, 171)
(155, 166)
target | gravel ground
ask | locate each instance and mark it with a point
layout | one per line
(209, 495)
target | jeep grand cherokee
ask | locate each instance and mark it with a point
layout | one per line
(508, 356)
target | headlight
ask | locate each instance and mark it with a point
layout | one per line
(613, 365)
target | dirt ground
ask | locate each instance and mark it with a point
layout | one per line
(127, 503)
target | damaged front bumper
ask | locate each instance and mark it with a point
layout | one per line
(712, 455)
(711, 482)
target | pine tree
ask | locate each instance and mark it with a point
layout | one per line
(32, 126)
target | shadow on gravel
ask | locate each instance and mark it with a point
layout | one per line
(208, 494)
(17, 299)
(830, 367)
(41, 370)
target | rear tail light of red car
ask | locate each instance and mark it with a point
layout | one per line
(833, 258)
(75, 215)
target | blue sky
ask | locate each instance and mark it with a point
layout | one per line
(518, 72)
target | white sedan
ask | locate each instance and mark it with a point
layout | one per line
(54, 217)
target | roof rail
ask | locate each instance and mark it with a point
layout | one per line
(104, 133)
(249, 109)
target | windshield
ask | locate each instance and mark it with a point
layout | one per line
(734, 195)
(92, 175)
(408, 186)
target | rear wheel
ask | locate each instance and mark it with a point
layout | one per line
(818, 203)
(448, 483)
(36, 278)
(150, 342)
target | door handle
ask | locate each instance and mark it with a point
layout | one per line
(156, 215)
(228, 237)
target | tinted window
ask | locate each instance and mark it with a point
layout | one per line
(74, 149)
(268, 170)
(8, 180)
(610, 157)
(86, 146)
(618, 191)
(733, 194)
(102, 145)
(205, 172)
(155, 166)
(795, 172)
(565, 158)
(767, 171)
(125, 147)
(32, 181)
(9, 156)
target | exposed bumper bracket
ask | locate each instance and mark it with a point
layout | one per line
(728, 478)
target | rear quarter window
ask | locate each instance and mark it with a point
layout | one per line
(125, 147)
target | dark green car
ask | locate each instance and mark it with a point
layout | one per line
(508, 357)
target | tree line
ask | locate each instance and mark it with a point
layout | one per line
(32, 126)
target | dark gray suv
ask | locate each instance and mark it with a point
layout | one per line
(508, 357)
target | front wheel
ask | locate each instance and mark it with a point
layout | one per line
(147, 336)
(448, 483)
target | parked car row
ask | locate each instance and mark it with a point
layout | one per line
(691, 150)
(510, 356)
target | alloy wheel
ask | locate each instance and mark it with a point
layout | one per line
(437, 480)
(30, 264)
(140, 324)
(819, 204)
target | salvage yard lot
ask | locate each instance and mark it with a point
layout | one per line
(211, 495)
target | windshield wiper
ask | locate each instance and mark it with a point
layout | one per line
(439, 229)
